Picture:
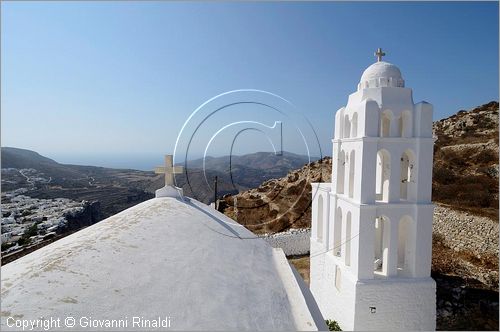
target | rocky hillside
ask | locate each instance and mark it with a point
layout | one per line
(466, 160)
(278, 204)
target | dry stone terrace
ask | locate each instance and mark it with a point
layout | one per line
(472, 241)
(293, 242)
(464, 231)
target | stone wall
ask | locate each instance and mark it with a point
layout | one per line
(463, 231)
(473, 243)
(294, 241)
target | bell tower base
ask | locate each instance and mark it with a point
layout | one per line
(381, 304)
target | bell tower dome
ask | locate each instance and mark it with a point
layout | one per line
(379, 74)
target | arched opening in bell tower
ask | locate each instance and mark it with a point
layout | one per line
(385, 124)
(347, 239)
(382, 176)
(407, 181)
(319, 232)
(404, 252)
(352, 166)
(382, 238)
(341, 172)
(354, 125)
(337, 233)
(347, 127)
(405, 125)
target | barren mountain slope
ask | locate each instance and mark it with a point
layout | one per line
(466, 160)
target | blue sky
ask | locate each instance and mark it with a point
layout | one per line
(112, 83)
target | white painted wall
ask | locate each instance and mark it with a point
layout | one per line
(400, 304)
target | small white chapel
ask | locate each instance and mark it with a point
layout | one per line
(371, 239)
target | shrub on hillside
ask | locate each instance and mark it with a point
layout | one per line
(453, 158)
(442, 174)
(458, 188)
(333, 325)
(486, 156)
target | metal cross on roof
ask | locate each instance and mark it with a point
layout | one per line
(169, 170)
(379, 54)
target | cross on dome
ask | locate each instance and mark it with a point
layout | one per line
(379, 54)
(381, 73)
(169, 170)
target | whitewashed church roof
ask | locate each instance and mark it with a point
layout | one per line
(163, 257)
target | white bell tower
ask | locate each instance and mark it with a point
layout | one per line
(371, 241)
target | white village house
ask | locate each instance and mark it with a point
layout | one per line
(371, 235)
(175, 259)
